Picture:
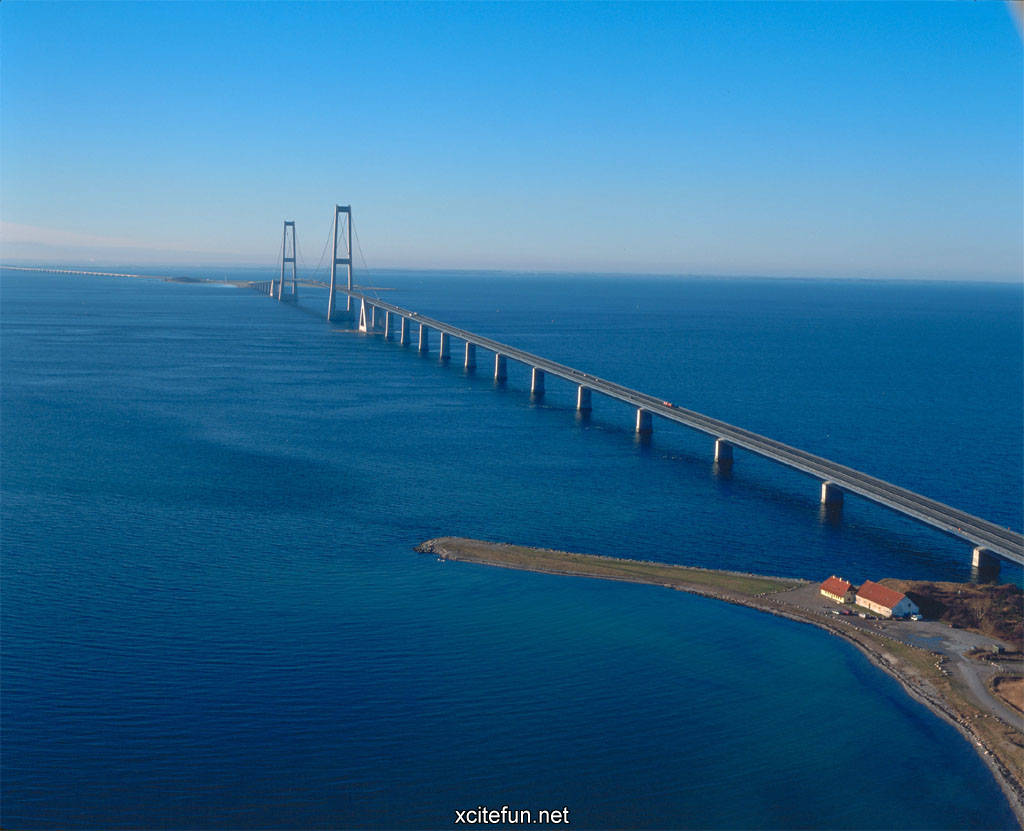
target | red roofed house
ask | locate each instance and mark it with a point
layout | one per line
(885, 601)
(835, 588)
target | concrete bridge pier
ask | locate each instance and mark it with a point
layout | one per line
(537, 382)
(500, 367)
(362, 316)
(373, 318)
(424, 344)
(644, 425)
(444, 350)
(470, 362)
(583, 399)
(984, 564)
(387, 325)
(831, 495)
(723, 454)
(403, 331)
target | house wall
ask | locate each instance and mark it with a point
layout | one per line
(877, 608)
(905, 607)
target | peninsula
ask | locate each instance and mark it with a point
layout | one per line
(964, 663)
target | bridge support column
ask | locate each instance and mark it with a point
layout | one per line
(470, 356)
(831, 495)
(387, 325)
(362, 316)
(424, 344)
(643, 422)
(373, 317)
(537, 382)
(403, 331)
(500, 367)
(287, 259)
(583, 399)
(986, 563)
(444, 351)
(345, 231)
(723, 454)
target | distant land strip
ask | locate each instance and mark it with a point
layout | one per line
(107, 274)
(168, 279)
(936, 678)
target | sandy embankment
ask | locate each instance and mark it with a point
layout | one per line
(941, 677)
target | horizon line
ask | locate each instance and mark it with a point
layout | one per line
(85, 270)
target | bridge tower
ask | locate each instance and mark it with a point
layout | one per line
(346, 231)
(288, 259)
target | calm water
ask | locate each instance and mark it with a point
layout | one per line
(213, 617)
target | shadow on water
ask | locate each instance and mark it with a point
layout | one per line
(644, 442)
(987, 573)
(830, 514)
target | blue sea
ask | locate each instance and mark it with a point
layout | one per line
(213, 616)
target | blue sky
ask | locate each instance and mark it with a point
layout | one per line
(805, 139)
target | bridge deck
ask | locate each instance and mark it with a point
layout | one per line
(979, 532)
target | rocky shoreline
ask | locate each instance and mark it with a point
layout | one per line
(921, 672)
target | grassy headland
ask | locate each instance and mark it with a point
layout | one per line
(608, 568)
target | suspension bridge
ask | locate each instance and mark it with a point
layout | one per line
(990, 543)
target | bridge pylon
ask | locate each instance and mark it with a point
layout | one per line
(287, 259)
(342, 227)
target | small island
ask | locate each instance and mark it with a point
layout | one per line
(963, 660)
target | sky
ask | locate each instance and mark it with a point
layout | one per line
(871, 140)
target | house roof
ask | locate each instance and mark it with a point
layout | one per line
(882, 595)
(835, 585)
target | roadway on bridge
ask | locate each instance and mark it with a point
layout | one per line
(977, 531)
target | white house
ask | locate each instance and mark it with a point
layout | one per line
(884, 601)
